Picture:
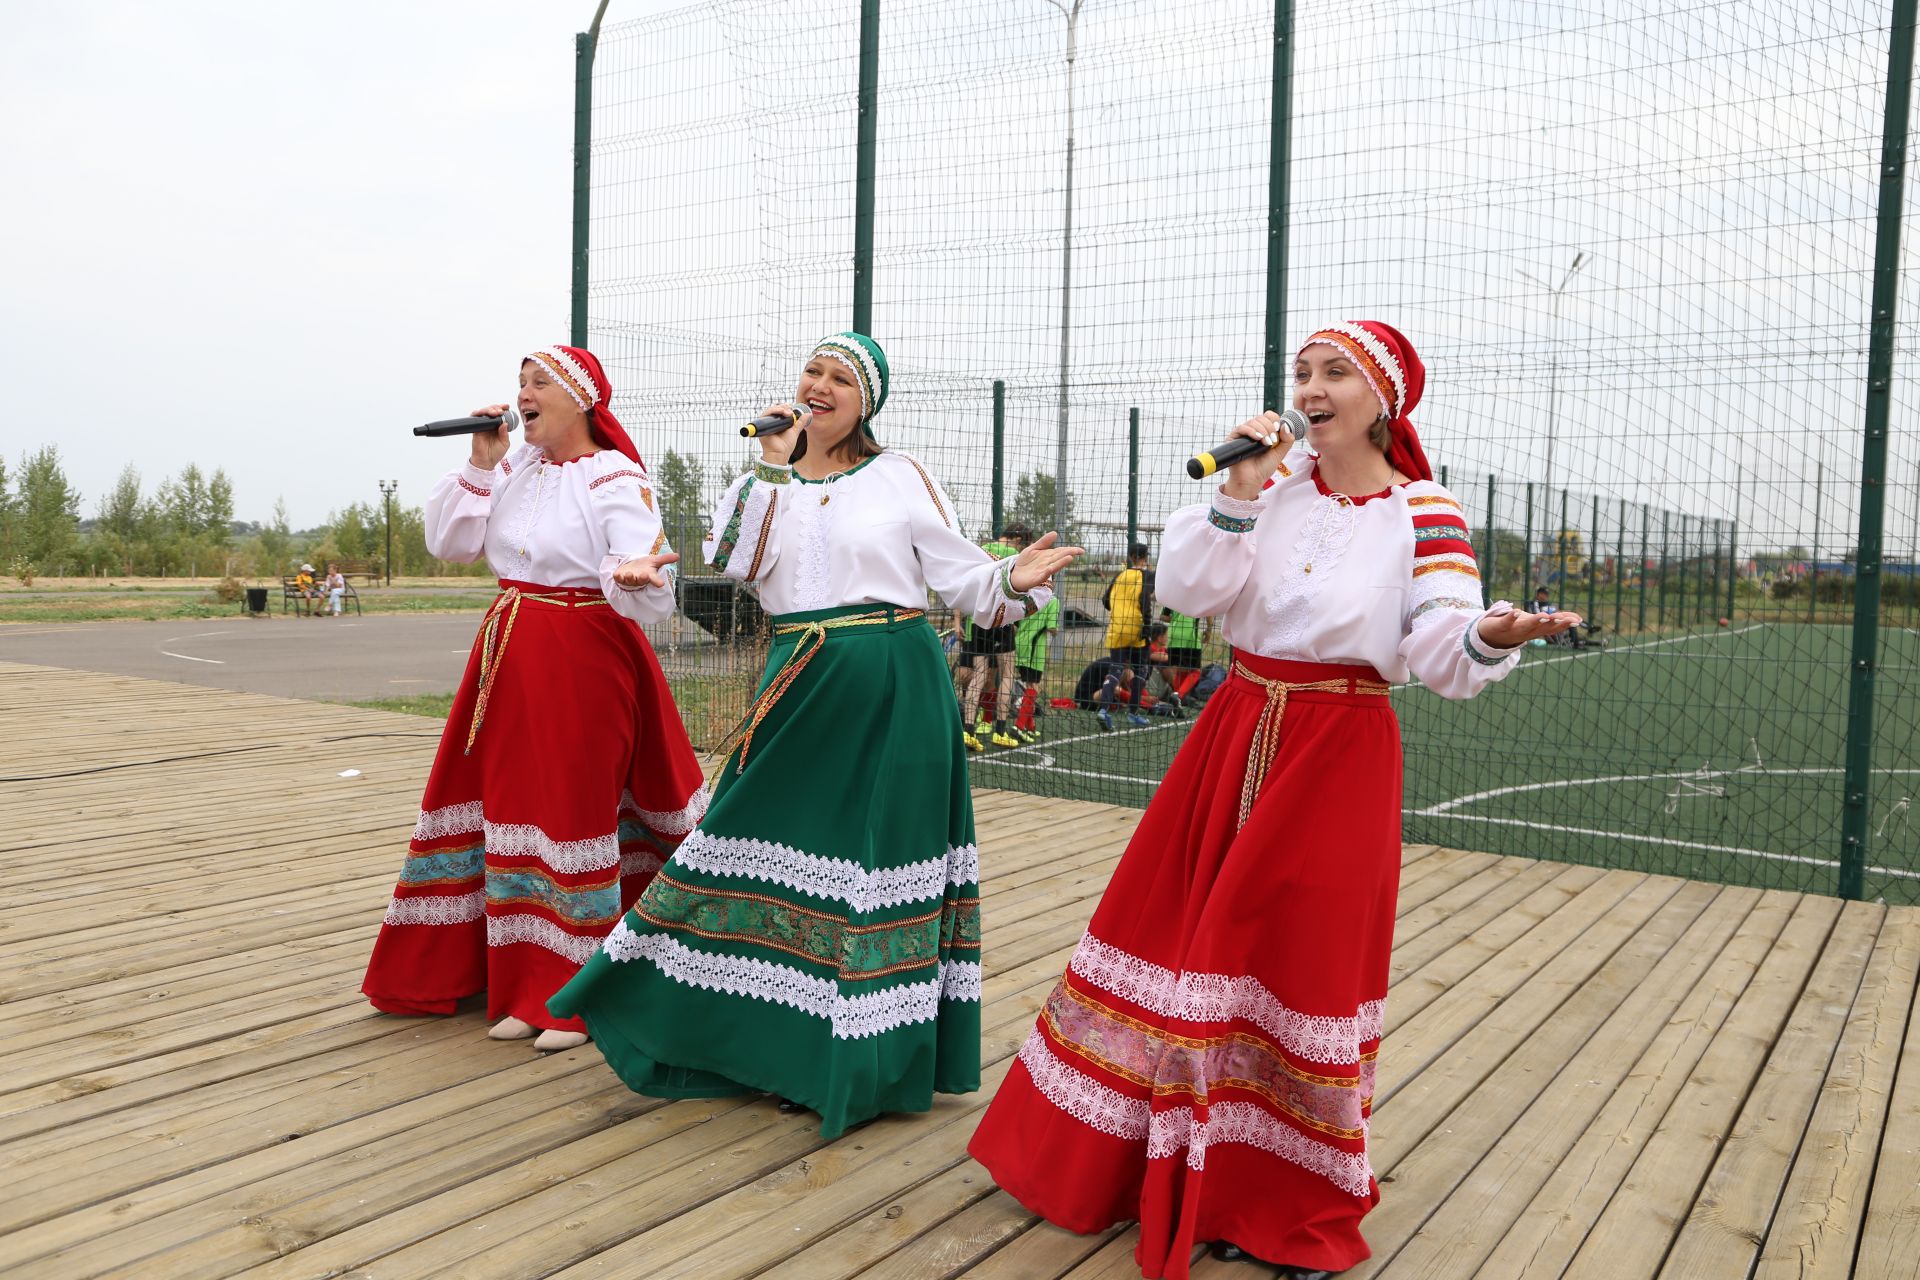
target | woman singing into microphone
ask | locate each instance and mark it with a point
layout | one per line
(564, 775)
(818, 937)
(1206, 1065)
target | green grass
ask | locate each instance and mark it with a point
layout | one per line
(1714, 754)
(434, 705)
(135, 605)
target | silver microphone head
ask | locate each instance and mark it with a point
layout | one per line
(512, 417)
(1295, 422)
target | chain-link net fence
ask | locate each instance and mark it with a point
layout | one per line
(1633, 243)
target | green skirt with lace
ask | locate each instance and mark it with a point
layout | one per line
(818, 935)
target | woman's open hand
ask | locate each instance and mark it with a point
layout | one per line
(1513, 628)
(644, 571)
(1035, 566)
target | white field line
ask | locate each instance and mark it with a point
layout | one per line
(187, 657)
(1682, 844)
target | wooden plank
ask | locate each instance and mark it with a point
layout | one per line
(1723, 1233)
(1890, 1239)
(1448, 1202)
(1674, 1104)
(1817, 1226)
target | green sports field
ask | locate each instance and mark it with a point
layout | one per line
(1715, 753)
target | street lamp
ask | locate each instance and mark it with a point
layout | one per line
(1553, 385)
(387, 490)
(1072, 14)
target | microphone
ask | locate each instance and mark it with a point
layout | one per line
(1220, 457)
(469, 426)
(772, 424)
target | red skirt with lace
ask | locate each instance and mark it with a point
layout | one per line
(1206, 1065)
(541, 826)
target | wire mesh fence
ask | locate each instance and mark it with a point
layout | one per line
(1635, 247)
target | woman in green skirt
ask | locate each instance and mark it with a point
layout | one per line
(817, 937)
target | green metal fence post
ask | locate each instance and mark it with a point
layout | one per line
(1488, 568)
(585, 45)
(1619, 567)
(1593, 550)
(1733, 563)
(1526, 570)
(1133, 476)
(1640, 570)
(1560, 548)
(1279, 160)
(1813, 562)
(1854, 828)
(1666, 543)
(999, 455)
(1443, 475)
(1719, 545)
(866, 141)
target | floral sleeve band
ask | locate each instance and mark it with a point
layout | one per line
(1484, 659)
(768, 473)
(1230, 524)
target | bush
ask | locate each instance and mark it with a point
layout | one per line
(22, 568)
(229, 589)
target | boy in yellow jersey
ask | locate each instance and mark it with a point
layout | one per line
(1129, 602)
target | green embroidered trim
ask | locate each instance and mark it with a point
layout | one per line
(766, 471)
(1485, 660)
(730, 536)
(1230, 524)
(838, 475)
(856, 952)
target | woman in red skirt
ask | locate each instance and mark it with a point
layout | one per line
(564, 776)
(1206, 1065)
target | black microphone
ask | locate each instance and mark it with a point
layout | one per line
(773, 423)
(469, 426)
(1220, 457)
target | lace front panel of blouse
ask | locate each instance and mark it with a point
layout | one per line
(1311, 561)
(526, 518)
(813, 565)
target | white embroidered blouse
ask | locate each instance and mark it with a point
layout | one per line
(1386, 580)
(883, 532)
(555, 524)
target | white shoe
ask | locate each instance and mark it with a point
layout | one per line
(511, 1028)
(551, 1041)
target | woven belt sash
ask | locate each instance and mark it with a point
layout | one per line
(1266, 731)
(498, 629)
(813, 636)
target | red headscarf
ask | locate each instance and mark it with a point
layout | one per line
(1392, 368)
(578, 372)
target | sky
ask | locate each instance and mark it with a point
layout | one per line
(272, 238)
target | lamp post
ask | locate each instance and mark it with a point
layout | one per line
(1071, 12)
(1553, 379)
(387, 490)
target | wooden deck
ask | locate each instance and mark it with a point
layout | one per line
(1586, 1073)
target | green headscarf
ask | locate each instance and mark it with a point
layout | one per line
(868, 363)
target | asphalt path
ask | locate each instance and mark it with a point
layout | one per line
(341, 659)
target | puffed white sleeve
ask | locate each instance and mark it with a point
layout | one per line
(1442, 646)
(457, 512)
(629, 516)
(960, 573)
(1207, 554)
(744, 542)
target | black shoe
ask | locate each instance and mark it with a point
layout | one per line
(1227, 1251)
(787, 1106)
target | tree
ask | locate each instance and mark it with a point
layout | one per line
(48, 512)
(7, 522)
(1033, 506)
(218, 525)
(678, 485)
(120, 509)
